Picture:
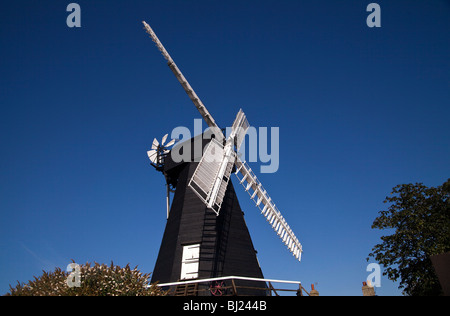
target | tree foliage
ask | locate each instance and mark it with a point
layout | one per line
(96, 280)
(420, 219)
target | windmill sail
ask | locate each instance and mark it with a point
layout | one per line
(262, 200)
(239, 129)
(211, 177)
(186, 86)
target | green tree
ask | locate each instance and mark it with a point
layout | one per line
(419, 218)
(95, 280)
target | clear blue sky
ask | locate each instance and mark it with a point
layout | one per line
(360, 110)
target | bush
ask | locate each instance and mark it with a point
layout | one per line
(96, 280)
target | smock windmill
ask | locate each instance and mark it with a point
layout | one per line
(206, 235)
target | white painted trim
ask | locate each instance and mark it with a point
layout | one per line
(229, 278)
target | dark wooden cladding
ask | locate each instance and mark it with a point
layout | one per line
(226, 248)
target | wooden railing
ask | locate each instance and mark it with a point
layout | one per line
(227, 286)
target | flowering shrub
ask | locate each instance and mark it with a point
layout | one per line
(96, 280)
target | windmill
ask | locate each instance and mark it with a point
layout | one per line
(206, 235)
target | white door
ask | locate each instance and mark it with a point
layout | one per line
(189, 262)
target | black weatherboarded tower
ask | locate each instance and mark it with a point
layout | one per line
(206, 235)
(198, 244)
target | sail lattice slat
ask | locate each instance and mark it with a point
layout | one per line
(268, 208)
